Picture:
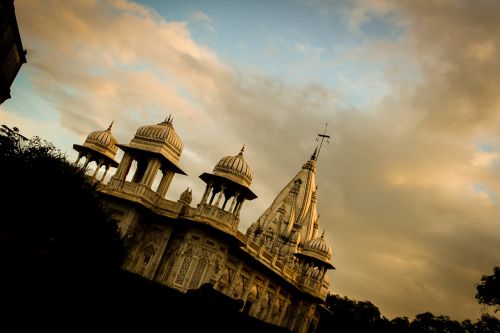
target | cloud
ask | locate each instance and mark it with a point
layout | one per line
(199, 16)
(202, 18)
(308, 50)
(397, 183)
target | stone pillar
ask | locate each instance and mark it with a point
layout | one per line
(165, 182)
(139, 172)
(220, 196)
(87, 161)
(240, 203)
(205, 195)
(235, 198)
(151, 171)
(226, 199)
(124, 167)
(105, 172)
(322, 272)
(98, 167)
(214, 192)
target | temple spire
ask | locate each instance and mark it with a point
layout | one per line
(110, 125)
(242, 150)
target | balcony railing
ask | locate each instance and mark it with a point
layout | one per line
(219, 217)
(145, 194)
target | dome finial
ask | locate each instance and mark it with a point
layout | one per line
(168, 120)
(110, 125)
(242, 150)
(323, 234)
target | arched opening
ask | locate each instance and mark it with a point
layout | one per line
(131, 172)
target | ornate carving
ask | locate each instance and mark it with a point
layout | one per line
(186, 264)
(198, 272)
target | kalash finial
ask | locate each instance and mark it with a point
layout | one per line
(242, 150)
(110, 125)
(168, 120)
(323, 234)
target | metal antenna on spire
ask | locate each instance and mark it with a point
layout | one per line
(323, 137)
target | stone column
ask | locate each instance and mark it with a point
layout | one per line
(87, 161)
(139, 172)
(220, 196)
(105, 172)
(226, 199)
(235, 198)
(124, 167)
(97, 169)
(165, 182)
(214, 192)
(322, 272)
(205, 195)
(151, 171)
(240, 203)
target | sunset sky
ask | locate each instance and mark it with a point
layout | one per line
(407, 187)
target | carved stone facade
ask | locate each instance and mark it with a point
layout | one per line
(277, 268)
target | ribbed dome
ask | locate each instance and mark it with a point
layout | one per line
(235, 168)
(103, 142)
(318, 248)
(159, 136)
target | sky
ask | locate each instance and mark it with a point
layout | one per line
(407, 186)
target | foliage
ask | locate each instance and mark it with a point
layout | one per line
(488, 291)
(428, 323)
(52, 217)
(347, 315)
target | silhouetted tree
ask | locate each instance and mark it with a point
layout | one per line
(56, 239)
(400, 325)
(487, 324)
(488, 291)
(347, 315)
(51, 204)
(428, 323)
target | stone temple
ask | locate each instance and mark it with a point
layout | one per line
(277, 268)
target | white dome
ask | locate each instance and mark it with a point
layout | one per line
(318, 248)
(234, 168)
(103, 142)
(160, 136)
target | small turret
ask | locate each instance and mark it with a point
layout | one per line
(99, 147)
(186, 197)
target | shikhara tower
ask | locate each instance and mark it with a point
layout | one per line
(278, 268)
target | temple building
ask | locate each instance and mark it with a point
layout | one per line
(277, 268)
